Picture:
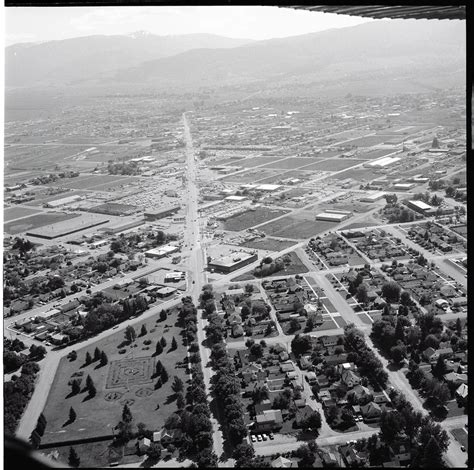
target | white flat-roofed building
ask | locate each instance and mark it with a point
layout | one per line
(227, 264)
(175, 276)
(161, 251)
(49, 313)
(403, 186)
(419, 206)
(63, 201)
(332, 217)
(383, 162)
(268, 187)
(373, 197)
(235, 198)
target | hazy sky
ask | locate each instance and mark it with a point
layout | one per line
(30, 24)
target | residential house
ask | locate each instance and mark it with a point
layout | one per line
(455, 378)
(282, 462)
(349, 378)
(461, 393)
(268, 420)
(143, 445)
(400, 452)
(351, 457)
(371, 412)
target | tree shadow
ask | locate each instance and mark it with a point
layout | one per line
(87, 397)
(67, 423)
(170, 398)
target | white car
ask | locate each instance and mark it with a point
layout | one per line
(254, 439)
(259, 438)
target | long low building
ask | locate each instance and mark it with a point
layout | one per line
(161, 251)
(373, 197)
(63, 201)
(157, 214)
(382, 162)
(228, 264)
(332, 216)
(421, 207)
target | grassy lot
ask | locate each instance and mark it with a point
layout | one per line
(290, 163)
(333, 164)
(358, 174)
(369, 140)
(16, 212)
(256, 161)
(39, 220)
(250, 176)
(92, 455)
(283, 176)
(297, 227)
(365, 318)
(369, 223)
(251, 218)
(341, 323)
(460, 229)
(132, 383)
(269, 244)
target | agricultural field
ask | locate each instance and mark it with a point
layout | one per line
(36, 221)
(290, 163)
(257, 161)
(333, 164)
(251, 218)
(299, 226)
(368, 141)
(128, 377)
(358, 174)
(15, 212)
(95, 182)
(277, 177)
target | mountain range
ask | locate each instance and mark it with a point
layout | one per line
(414, 47)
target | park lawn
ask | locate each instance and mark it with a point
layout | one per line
(365, 318)
(298, 226)
(91, 455)
(269, 244)
(97, 416)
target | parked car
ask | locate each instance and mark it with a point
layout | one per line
(254, 439)
(271, 436)
(264, 437)
(463, 448)
(259, 438)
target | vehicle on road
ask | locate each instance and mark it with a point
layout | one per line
(463, 448)
(115, 327)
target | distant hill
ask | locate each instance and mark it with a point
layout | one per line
(78, 59)
(416, 45)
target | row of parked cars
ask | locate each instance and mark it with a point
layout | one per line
(262, 437)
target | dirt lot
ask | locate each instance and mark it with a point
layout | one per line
(132, 374)
(251, 218)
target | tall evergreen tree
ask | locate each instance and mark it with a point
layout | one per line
(174, 344)
(103, 359)
(163, 341)
(72, 415)
(88, 358)
(164, 375)
(96, 354)
(74, 460)
(432, 456)
(143, 330)
(159, 348)
(126, 414)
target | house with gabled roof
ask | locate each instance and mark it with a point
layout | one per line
(371, 412)
(350, 378)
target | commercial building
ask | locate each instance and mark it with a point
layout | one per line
(372, 197)
(165, 292)
(333, 216)
(228, 264)
(235, 198)
(421, 207)
(382, 162)
(403, 186)
(175, 276)
(161, 251)
(63, 201)
(161, 213)
(268, 187)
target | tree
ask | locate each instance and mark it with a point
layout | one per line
(177, 385)
(96, 355)
(398, 353)
(163, 342)
(206, 458)
(256, 350)
(89, 382)
(391, 425)
(174, 344)
(159, 367)
(391, 291)
(163, 315)
(361, 294)
(75, 387)
(432, 456)
(92, 391)
(73, 460)
(11, 361)
(143, 330)
(130, 334)
(72, 415)
(164, 376)
(243, 455)
(306, 454)
(440, 368)
(154, 451)
(159, 349)
(301, 344)
(103, 359)
(180, 402)
(126, 414)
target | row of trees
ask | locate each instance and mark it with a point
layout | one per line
(13, 361)
(226, 384)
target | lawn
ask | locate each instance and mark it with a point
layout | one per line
(460, 229)
(36, 221)
(269, 244)
(251, 218)
(365, 318)
(297, 227)
(127, 378)
(16, 212)
(341, 323)
(460, 435)
(92, 455)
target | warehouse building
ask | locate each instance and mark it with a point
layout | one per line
(421, 207)
(152, 215)
(63, 201)
(228, 264)
(373, 197)
(403, 186)
(382, 162)
(333, 216)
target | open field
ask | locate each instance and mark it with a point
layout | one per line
(358, 174)
(36, 221)
(94, 181)
(290, 163)
(15, 212)
(43, 200)
(373, 154)
(297, 227)
(283, 176)
(127, 378)
(251, 218)
(249, 176)
(256, 161)
(269, 244)
(461, 230)
(333, 164)
(92, 455)
(368, 140)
